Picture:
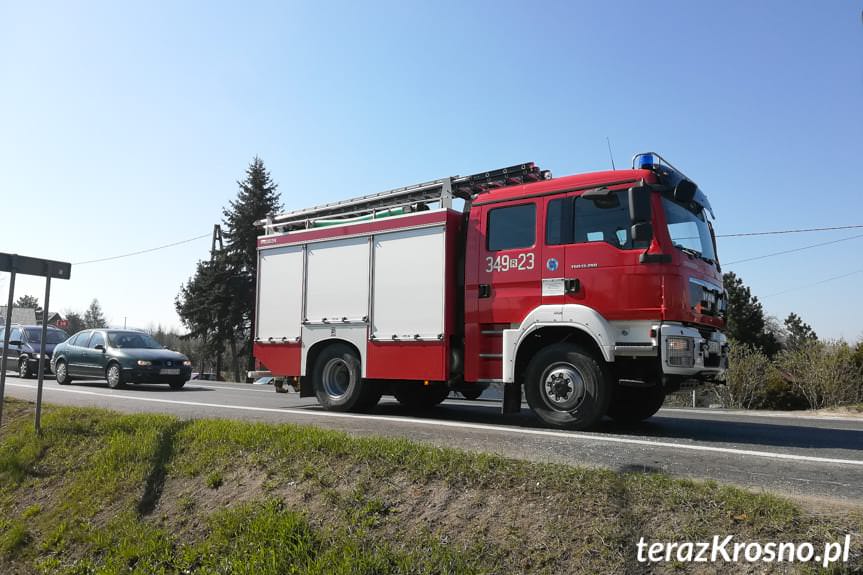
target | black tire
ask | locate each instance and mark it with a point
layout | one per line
(178, 384)
(114, 375)
(567, 387)
(471, 393)
(338, 382)
(61, 373)
(24, 371)
(415, 395)
(634, 404)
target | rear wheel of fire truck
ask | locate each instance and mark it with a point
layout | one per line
(634, 404)
(338, 381)
(567, 387)
(415, 395)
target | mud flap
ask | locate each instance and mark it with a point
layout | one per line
(307, 389)
(511, 398)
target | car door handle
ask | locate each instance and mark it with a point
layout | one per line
(571, 285)
(484, 290)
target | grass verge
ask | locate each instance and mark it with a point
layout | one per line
(102, 492)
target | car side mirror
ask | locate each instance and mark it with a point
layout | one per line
(100, 347)
(641, 232)
(16, 342)
(639, 204)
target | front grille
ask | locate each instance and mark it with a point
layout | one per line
(705, 300)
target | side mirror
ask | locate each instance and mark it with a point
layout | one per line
(15, 342)
(641, 232)
(100, 347)
(684, 191)
(639, 204)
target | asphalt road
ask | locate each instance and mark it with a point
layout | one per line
(808, 457)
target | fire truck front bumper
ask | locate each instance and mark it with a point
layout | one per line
(688, 353)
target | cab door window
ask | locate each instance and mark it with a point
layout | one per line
(511, 227)
(577, 220)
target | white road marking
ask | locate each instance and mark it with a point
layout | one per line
(745, 413)
(465, 425)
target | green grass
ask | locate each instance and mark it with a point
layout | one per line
(102, 492)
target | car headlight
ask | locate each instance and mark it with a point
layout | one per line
(187, 363)
(144, 362)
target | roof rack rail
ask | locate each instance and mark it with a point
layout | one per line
(410, 198)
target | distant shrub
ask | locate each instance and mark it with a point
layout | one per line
(826, 374)
(746, 379)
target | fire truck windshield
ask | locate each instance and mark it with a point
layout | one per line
(688, 230)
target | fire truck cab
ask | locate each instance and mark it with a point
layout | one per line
(591, 295)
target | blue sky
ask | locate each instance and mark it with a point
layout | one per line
(125, 125)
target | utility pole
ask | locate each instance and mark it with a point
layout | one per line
(217, 238)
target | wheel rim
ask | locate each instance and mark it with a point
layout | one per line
(337, 378)
(22, 368)
(61, 372)
(113, 375)
(562, 387)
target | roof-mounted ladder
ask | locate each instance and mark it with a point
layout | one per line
(409, 198)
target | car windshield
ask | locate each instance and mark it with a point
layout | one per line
(689, 230)
(132, 340)
(34, 335)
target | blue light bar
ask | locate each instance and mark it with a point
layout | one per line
(645, 161)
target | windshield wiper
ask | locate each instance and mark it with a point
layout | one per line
(690, 251)
(694, 252)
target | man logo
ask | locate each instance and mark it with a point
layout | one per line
(551, 264)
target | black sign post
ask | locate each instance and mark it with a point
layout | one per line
(15, 264)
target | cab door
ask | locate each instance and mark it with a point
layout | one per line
(95, 360)
(508, 280)
(602, 265)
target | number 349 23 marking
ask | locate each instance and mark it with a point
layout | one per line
(505, 263)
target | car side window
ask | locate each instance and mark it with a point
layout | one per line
(16, 334)
(81, 339)
(97, 339)
(511, 227)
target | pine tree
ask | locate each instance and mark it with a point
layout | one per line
(745, 317)
(93, 317)
(217, 304)
(28, 301)
(258, 196)
(799, 333)
(74, 322)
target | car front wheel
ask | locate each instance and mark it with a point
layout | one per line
(114, 375)
(62, 373)
(24, 371)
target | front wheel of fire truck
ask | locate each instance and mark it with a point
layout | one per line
(338, 381)
(567, 387)
(634, 404)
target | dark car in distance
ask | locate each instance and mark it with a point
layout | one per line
(120, 356)
(25, 347)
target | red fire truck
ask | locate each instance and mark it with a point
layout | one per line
(594, 294)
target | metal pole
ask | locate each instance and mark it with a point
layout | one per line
(6, 340)
(42, 356)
